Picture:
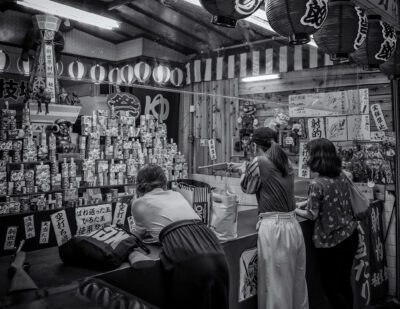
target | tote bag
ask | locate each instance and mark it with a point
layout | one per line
(359, 203)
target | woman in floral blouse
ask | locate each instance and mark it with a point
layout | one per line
(335, 235)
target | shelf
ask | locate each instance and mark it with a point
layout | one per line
(104, 187)
(58, 161)
(33, 193)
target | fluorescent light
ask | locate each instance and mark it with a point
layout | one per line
(258, 18)
(260, 78)
(66, 11)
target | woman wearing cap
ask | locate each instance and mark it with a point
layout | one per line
(195, 263)
(281, 250)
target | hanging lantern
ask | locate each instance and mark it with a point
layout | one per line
(142, 71)
(127, 75)
(59, 68)
(227, 12)
(114, 76)
(379, 44)
(161, 74)
(392, 67)
(25, 67)
(343, 31)
(4, 61)
(76, 70)
(296, 19)
(176, 77)
(98, 73)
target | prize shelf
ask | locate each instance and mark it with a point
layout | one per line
(58, 161)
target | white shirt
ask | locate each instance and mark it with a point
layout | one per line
(159, 208)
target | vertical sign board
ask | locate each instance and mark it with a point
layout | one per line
(61, 227)
(304, 170)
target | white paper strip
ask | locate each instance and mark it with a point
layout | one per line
(11, 237)
(29, 225)
(61, 227)
(120, 213)
(44, 232)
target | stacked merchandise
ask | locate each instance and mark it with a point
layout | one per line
(112, 149)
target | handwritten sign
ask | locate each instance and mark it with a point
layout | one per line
(336, 128)
(304, 170)
(211, 149)
(11, 237)
(132, 224)
(29, 227)
(44, 232)
(358, 127)
(316, 128)
(377, 136)
(379, 119)
(89, 219)
(120, 213)
(61, 227)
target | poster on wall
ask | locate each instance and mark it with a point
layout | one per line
(358, 128)
(379, 118)
(316, 128)
(91, 218)
(336, 128)
(12, 89)
(248, 274)
(304, 170)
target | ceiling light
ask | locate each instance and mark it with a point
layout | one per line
(66, 11)
(257, 18)
(260, 78)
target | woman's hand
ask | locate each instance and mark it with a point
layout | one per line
(236, 167)
(302, 204)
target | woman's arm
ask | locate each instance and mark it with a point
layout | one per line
(314, 202)
(138, 215)
(250, 180)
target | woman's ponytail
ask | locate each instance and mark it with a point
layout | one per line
(279, 157)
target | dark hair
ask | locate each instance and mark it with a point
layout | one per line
(149, 178)
(267, 139)
(324, 158)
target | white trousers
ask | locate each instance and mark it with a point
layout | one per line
(281, 282)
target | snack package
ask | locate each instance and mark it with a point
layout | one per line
(42, 177)
(86, 125)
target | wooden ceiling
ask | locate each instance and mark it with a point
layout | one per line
(176, 24)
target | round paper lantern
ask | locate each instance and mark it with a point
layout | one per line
(76, 70)
(176, 77)
(296, 19)
(114, 76)
(392, 67)
(4, 61)
(127, 75)
(25, 67)
(59, 68)
(98, 73)
(227, 12)
(161, 74)
(142, 71)
(379, 44)
(344, 30)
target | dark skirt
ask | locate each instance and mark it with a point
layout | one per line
(196, 269)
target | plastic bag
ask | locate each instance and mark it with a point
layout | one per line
(224, 214)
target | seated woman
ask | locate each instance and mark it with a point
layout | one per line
(194, 261)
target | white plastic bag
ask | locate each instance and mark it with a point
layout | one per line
(224, 214)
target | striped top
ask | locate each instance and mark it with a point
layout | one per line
(274, 192)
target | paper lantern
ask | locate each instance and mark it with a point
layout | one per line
(344, 30)
(161, 74)
(176, 77)
(127, 75)
(296, 19)
(227, 12)
(25, 67)
(142, 71)
(114, 76)
(379, 44)
(4, 61)
(76, 70)
(59, 68)
(98, 73)
(392, 67)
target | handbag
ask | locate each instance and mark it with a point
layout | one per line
(359, 203)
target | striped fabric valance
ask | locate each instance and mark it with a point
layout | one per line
(256, 62)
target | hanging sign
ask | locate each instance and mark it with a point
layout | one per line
(61, 227)
(120, 213)
(316, 128)
(379, 119)
(29, 227)
(132, 224)
(50, 81)
(304, 170)
(44, 232)
(92, 218)
(11, 237)
(211, 149)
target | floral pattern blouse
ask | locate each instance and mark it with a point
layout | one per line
(329, 205)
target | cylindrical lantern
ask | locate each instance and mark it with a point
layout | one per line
(114, 76)
(296, 19)
(4, 61)
(379, 45)
(142, 71)
(127, 75)
(161, 74)
(227, 12)
(76, 70)
(176, 77)
(343, 31)
(59, 68)
(98, 73)
(392, 67)
(25, 67)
